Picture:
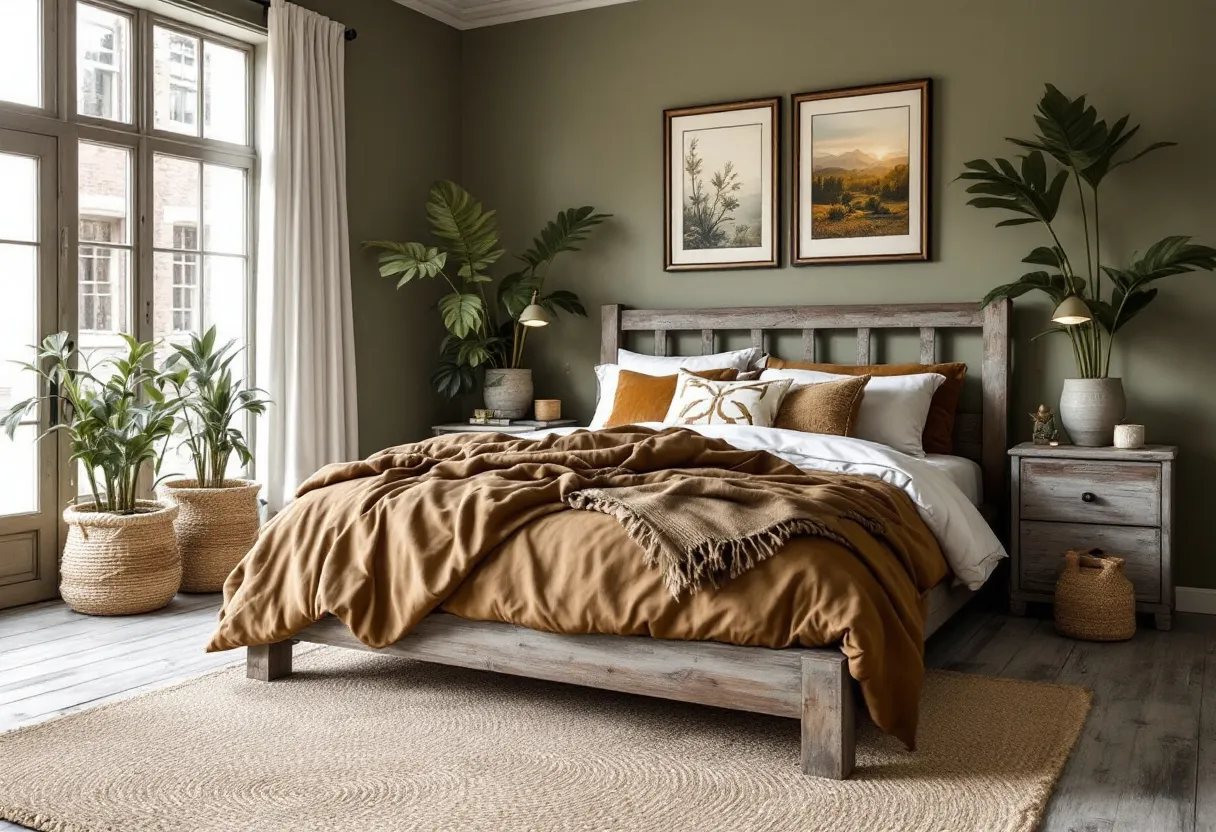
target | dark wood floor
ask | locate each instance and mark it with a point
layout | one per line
(1146, 762)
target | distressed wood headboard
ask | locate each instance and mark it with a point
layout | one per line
(979, 436)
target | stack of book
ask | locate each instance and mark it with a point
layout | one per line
(502, 423)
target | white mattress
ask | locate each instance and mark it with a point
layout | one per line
(963, 472)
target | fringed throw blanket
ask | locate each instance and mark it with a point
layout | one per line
(481, 526)
(697, 529)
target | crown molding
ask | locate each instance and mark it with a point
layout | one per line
(463, 14)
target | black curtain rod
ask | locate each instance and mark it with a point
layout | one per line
(351, 34)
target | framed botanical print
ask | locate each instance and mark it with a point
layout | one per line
(721, 166)
(861, 175)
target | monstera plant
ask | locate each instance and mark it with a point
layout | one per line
(1094, 300)
(486, 322)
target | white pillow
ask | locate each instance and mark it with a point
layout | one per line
(606, 375)
(699, 401)
(669, 365)
(893, 411)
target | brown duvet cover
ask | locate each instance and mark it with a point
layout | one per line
(477, 526)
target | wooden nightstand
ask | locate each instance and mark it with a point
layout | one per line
(1066, 497)
(519, 427)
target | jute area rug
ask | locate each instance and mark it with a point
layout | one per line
(359, 742)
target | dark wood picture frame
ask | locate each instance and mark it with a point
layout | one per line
(773, 262)
(924, 87)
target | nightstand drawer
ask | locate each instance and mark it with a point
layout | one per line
(1078, 491)
(1042, 547)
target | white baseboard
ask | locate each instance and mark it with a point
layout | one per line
(1195, 599)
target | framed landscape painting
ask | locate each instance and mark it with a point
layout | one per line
(720, 165)
(861, 175)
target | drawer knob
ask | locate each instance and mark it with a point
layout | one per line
(1088, 497)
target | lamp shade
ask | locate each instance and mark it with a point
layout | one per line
(1071, 312)
(534, 315)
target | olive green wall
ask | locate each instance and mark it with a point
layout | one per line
(402, 133)
(566, 110)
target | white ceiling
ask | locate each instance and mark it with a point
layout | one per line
(472, 14)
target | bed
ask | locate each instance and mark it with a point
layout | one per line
(810, 684)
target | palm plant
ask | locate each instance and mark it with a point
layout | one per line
(1087, 150)
(211, 400)
(114, 420)
(481, 333)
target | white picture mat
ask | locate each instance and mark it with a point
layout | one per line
(909, 243)
(732, 118)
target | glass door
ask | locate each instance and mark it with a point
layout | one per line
(29, 271)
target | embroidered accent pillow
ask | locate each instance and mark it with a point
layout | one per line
(643, 398)
(700, 401)
(830, 407)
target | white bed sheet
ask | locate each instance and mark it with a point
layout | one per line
(971, 548)
(965, 473)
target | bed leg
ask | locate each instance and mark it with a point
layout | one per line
(267, 662)
(829, 719)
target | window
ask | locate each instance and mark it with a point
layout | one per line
(176, 74)
(157, 126)
(185, 279)
(102, 63)
(199, 240)
(104, 257)
(183, 90)
(96, 289)
(21, 60)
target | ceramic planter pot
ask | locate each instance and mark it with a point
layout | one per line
(508, 393)
(215, 528)
(1090, 408)
(120, 564)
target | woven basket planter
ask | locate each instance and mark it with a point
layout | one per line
(215, 528)
(1094, 601)
(120, 564)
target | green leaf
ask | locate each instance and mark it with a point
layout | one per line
(1022, 192)
(515, 291)
(1044, 256)
(1055, 286)
(563, 300)
(1133, 306)
(462, 313)
(561, 234)
(452, 379)
(470, 231)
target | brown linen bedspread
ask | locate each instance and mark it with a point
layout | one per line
(476, 526)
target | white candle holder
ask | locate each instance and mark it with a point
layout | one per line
(1129, 437)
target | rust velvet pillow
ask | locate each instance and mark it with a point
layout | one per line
(938, 436)
(829, 407)
(643, 398)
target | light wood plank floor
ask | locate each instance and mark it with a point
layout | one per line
(1147, 760)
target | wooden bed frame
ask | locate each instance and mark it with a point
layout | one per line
(812, 685)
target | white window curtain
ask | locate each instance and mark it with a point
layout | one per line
(306, 351)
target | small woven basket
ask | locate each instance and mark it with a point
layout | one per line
(120, 564)
(1094, 601)
(215, 528)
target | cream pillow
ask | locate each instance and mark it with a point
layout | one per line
(893, 411)
(700, 401)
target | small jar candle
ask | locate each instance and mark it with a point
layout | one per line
(1129, 437)
(548, 410)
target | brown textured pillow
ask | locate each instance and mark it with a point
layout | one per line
(643, 398)
(938, 436)
(829, 407)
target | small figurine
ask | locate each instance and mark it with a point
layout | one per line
(1044, 426)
